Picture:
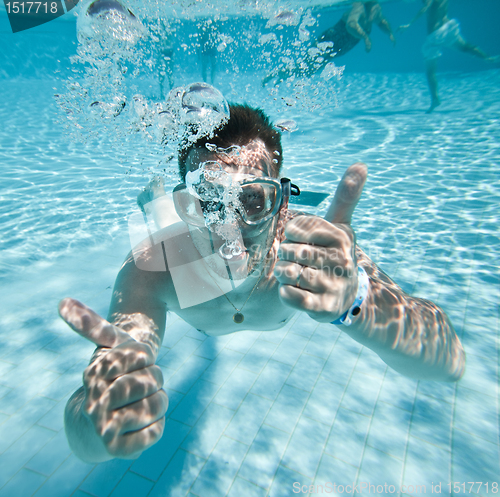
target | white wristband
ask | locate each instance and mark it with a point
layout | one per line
(355, 309)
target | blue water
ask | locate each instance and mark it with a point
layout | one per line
(252, 413)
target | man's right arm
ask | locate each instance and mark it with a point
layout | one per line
(119, 411)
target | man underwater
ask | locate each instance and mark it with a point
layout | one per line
(237, 233)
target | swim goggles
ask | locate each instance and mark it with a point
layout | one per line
(214, 196)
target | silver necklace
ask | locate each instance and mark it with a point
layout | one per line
(238, 316)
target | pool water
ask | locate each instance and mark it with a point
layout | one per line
(255, 413)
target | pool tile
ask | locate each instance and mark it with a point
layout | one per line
(426, 464)
(207, 431)
(476, 413)
(481, 375)
(64, 362)
(340, 365)
(284, 480)
(174, 399)
(24, 484)
(333, 472)
(398, 390)
(271, 380)
(243, 487)
(234, 390)
(51, 456)
(287, 408)
(63, 344)
(432, 420)
(474, 459)
(305, 372)
(154, 460)
(54, 419)
(23, 350)
(67, 383)
(3, 418)
(5, 367)
(379, 468)
(389, 419)
(194, 403)
(132, 485)
(104, 477)
(222, 367)
(243, 341)
(4, 391)
(290, 348)
(439, 390)
(305, 447)
(248, 419)
(264, 456)
(28, 369)
(211, 347)
(178, 476)
(258, 356)
(175, 332)
(324, 401)
(20, 452)
(60, 484)
(276, 336)
(479, 339)
(370, 364)
(180, 353)
(23, 420)
(322, 341)
(361, 393)
(348, 436)
(187, 374)
(304, 325)
(211, 481)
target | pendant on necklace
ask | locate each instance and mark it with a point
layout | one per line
(238, 317)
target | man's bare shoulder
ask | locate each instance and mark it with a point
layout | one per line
(156, 251)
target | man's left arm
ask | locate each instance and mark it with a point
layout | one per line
(318, 274)
(412, 335)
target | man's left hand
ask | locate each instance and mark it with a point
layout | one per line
(317, 268)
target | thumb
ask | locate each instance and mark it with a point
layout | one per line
(347, 194)
(90, 325)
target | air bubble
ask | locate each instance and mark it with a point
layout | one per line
(286, 125)
(108, 20)
(203, 105)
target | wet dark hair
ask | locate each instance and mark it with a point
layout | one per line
(245, 124)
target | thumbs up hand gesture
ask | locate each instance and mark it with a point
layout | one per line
(123, 400)
(317, 268)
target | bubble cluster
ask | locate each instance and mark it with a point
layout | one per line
(219, 196)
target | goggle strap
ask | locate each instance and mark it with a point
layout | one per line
(285, 187)
(288, 188)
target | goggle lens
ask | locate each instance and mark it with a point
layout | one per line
(258, 201)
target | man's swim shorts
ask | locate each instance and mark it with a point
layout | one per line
(447, 35)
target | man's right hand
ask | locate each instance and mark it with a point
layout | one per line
(124, 400)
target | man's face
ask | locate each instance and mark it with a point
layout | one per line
(252, 159)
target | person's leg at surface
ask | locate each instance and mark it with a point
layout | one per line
(467, 47)
(430, 71)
